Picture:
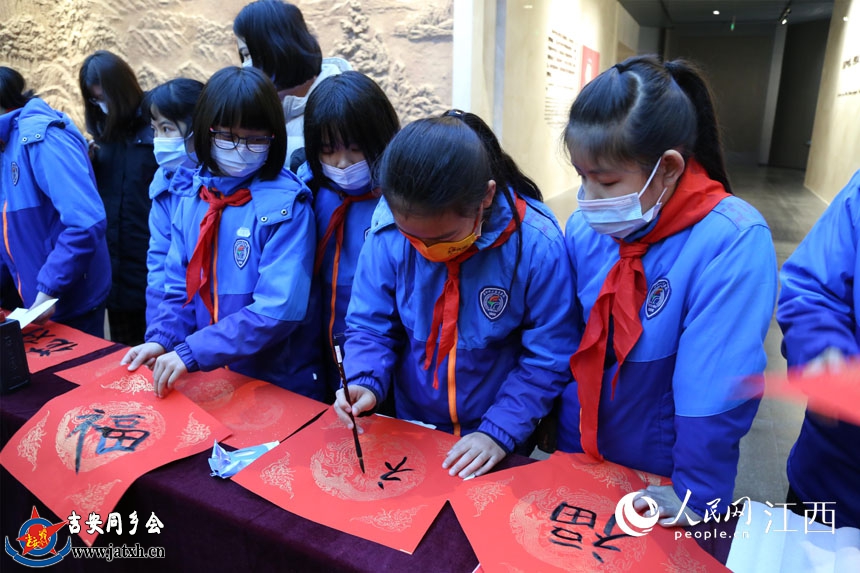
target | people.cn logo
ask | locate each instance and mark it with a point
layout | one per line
(631, 521)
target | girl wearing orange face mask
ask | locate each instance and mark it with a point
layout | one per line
(461, 298)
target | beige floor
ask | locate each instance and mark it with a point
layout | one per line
(790, 210)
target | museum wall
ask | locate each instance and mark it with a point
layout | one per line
(835, 152)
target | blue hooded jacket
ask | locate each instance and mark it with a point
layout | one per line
(53, 219)
(515, 331)
(266, 322)
(682, 400)
(818, 309)
(166, 191)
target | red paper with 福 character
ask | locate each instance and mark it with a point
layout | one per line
(256, 412)
(560, 515)
(84, 448)
(51, 344)
(315, 474)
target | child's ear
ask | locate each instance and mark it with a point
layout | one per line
(672, 165)
(488, 196)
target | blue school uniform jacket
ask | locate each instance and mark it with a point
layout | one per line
(266, 322)
(818, 309)
(53, 218)
(166, 191)
(356, 229)
(516, 327)
(680, 406)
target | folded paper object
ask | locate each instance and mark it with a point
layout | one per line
(226, 464)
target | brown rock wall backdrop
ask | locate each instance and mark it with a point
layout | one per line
(405, 45)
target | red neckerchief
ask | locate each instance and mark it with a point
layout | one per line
(447, 308)
(335, 227)
(623, 294)
(199, 270)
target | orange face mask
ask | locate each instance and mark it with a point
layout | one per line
(445, 251)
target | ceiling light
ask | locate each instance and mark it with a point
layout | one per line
(716, 12)
(784, 21)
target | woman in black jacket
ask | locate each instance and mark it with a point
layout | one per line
(124, 166)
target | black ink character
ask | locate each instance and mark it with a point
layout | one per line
(389, 475)
(126, 437)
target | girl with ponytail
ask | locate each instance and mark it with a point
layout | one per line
(677, 281)
(455, 300)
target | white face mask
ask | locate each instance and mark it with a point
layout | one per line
(248, 63)
(619, 216)
(103, 106)
(239, 162)
(354, 178)
(170, 152)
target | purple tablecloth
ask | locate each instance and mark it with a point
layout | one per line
(215, 525)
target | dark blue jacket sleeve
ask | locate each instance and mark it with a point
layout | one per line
(717, 383)
(549, 335)
(159, 244)
(62, 171)
(817, 306)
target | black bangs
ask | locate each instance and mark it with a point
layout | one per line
(246, 107)
(348, 109)
(605, 146)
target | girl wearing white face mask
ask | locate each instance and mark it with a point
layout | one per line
(237, 287)
(348, 123)
(124, 165)
(170, 108)
(677, 280)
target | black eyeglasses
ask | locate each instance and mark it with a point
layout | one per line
(228, 140)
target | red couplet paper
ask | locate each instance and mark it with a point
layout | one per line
(316, 474)
(559, 515)
(84, 448)
(256, 412)
(51, 344)
(833, 393)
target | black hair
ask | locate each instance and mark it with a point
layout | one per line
(174, 100)
(349, 109)
(279, 42)
(642, 107)
(240, 97)
(122, 91)
(12, 94)
(443, 164)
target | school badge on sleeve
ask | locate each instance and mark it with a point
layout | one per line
(494, 301)
(241, 252)
(15, 173)
(658, 294)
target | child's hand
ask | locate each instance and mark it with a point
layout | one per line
(168, 368)
(43, 318)
(668, 506)
(142, 354)
(477, 454)
(363, 400)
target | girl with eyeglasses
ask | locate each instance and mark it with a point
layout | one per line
(124, 166)
(348, 123)
(169, 107)
(677, 281)
(238, 271)
(456, 302)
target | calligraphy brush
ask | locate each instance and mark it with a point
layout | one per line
(349, 401)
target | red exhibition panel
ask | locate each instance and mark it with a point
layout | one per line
(560, 515)
(315, 474)
(84, 448)
(256, 412)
